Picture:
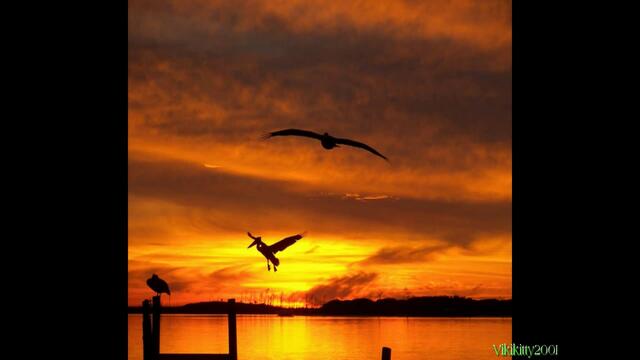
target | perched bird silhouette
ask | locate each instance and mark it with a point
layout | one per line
(158, 285)
(328, 142)
(268, 251)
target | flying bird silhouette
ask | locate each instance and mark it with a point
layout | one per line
(268, 251)
(328, 142)
(158, 285)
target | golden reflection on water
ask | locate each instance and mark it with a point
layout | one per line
(263, 337)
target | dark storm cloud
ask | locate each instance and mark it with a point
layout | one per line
(410, 92)
(238, 203)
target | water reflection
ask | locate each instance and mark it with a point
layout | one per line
(265, 337)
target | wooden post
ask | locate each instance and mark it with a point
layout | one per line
(386, 353)
(233, 339)
(155, 350)
(146, 331)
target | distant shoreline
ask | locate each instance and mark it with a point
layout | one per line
(434, 306)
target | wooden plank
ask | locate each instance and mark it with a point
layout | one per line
(193, 357)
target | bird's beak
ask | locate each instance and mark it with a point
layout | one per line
(253, 243)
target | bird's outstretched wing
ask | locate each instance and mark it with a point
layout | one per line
(360, 145)
(294, 132)
(285, 243)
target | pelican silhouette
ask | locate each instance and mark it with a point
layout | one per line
(269, 250)
(328, 142)
(158, 285)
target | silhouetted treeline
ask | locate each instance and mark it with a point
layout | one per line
(454, 306)
(419, 306)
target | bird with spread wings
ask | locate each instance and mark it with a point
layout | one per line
(328, 142)
(268, 251)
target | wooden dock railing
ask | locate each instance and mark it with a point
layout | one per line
(151, 335)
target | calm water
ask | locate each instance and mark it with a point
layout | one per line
(263, 337)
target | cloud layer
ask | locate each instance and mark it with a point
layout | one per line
(426, 83)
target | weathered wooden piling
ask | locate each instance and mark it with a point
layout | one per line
(156, 327)
(146, 330)
(233, 338)
(386, 353)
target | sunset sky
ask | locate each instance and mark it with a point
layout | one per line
(427, 83)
